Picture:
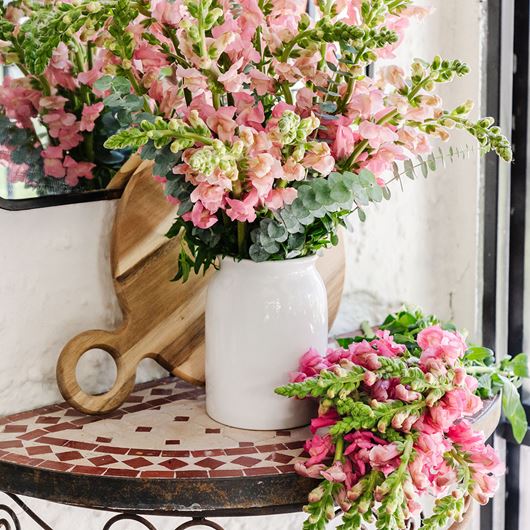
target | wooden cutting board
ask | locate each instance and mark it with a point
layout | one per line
(163, 320)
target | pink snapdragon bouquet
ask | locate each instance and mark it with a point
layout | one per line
(261, 120)
(394, 424)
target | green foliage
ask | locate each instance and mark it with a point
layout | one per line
(373, 417)
(327, 384)
(47, 28)
(446, 509)
(391, 514)
(513, 409)
(361, 509)
(322, 510)
(496, 377)
(312, 220)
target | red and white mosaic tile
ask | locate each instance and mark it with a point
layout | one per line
(162, 431)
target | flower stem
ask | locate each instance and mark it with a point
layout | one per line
(339, 449)
(287, 93)
(364, 144)
(241, 238)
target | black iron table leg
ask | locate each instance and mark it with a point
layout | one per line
(16, 525)
(129, 517)
(199, 521)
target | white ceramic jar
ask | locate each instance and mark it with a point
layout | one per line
(260, 319)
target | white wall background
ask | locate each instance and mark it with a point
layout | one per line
(422, 248)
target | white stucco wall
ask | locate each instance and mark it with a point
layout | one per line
(422, 248)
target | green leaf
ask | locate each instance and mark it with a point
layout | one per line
(513, 409)
(322, 192)
(479, 354)
(132, 138)
(423, 166)
(277, 232)
(519, 365)
(431, 162)
(258, 253)
(409, 169)
(308, 196)
(103, 83)
(345, 342)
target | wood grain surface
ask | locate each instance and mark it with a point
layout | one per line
(163, 320)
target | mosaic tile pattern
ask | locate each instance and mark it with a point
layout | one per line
(162, 431)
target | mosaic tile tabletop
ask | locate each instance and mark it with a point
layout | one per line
(162, 432)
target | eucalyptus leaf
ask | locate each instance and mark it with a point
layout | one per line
(513, 409)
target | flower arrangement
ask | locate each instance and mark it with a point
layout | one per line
(53, 122)
(392, 425)
(261, 121)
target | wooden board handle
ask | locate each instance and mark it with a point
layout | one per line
(67, 378)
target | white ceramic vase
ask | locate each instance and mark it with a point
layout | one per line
(260, 319)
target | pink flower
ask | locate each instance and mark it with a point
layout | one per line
(486, 460)
(200, 216)
(385, 458)
(147, 57)
(392, 75)
(210, 196)
(53, 167)
(344, 142)
(377, 135)
(221, 122)
(76, 170)
(261, 83)
(192, 78)
(318, 448)
(168, 13)
(89, 116)
(263, 170)
(384, 344)
(403, 394)
(19, 100)
(312, 363)
(60, 67)
(309, 471)
(484, 487)
(249, 113)
(335, 473)
(367, 104)
(437, 343)
(326, 420)
(319, 158)
(279, 197)
(243, 210)
(232, 79)
(463, 434)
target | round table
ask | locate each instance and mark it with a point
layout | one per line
(159, 454)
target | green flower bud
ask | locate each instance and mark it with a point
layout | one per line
(308, 125)
(147, 125)
(93, 7)
(160, 123)
(193, 34)
(305, 22)
(316, 495)
(238, 148)
(198, 124)
(288, 126)
(204, 161)
(436, 63)
(219, 147)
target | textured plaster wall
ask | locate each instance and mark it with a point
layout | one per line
(421, 248)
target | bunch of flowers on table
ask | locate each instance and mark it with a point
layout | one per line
(393, 424)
